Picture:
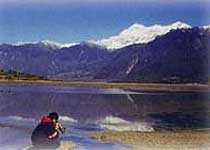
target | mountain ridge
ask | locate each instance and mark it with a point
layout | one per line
(135, 34)
(138, 33)
(161, 60)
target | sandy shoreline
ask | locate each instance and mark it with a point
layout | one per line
(129, 86)
(160, 140)
(67, 145)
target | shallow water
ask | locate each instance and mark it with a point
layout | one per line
(93, 109)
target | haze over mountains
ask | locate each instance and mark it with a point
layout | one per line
(176, 53)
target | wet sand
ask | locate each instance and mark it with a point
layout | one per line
(161, 140)
(67, 145)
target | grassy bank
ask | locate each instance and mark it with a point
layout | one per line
(14, 75)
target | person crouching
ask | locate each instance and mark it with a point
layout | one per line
(46, 133)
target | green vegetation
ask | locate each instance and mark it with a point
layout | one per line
(14, 75)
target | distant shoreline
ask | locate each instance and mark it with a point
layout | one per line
(189, 87)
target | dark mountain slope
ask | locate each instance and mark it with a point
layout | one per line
(179, 56)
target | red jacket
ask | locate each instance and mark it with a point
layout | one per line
(46, 119)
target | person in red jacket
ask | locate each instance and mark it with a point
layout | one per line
(46, 134)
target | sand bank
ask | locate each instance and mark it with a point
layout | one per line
(161, 140)
(190, 87)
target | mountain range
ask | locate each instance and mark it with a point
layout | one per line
(176, 53)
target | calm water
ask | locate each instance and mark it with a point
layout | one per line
(92, 109)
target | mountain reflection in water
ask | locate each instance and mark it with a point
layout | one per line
(161, 109)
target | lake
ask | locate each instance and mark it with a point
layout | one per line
(84, 110)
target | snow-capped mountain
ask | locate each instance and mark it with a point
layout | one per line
(179, 56)
(166, 59)
(47, 43)
(135, 34)
(138, 33)
(206, 27)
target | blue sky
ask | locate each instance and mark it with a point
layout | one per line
(80, 20)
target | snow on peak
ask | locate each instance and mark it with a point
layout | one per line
(206, 27)
(51, 44)
(179, 25)
(138, 33)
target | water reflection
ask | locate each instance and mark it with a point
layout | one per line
(162, 109)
